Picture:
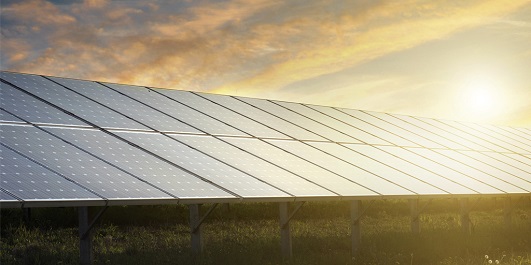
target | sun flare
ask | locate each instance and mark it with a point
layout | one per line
(480, 99)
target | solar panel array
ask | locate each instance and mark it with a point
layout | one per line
(82, 143)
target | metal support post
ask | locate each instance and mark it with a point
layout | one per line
(195, 228)
(85, 237)
(285, 235)
(355, 226)
(507, 212)
(27, 215)
(415, 214)
(464, 215)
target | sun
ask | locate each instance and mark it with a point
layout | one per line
(480, 99)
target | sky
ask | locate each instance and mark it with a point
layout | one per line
(458, 60)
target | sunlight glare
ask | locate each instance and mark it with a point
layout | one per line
(480, 99)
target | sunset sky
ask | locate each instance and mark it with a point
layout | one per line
(460, 60)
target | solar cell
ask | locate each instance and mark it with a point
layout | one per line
(382, 128)
(503, 162)
(406, 171)
(368, 135)
(482, 172)
(7, 117)
(177, 110)
(140, 164)
(498, 164)
(6, 198)
(458, 135)
(126, 106)
(33, 110)
(520, 157)
(255, 166)
(75, 164)
(299, 120)
(452, 170)
(394, 181)
(284, 127)
(447, 139)
(203, 165)
(220, 113)
(355, 174)
(300, 167)
(71, 101)
(515, 134)
(31, 181)
(500, 138)
(434, 138)
(480, 137)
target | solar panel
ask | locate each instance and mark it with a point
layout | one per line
(76, 165)
(6, 117)
(284, 127)
(388, 181)
(71, 142)
(500, 139)
(140, 164)
(298, 119)
(346, 170)
(255, 166)
(311, 172)
(221, 113)
(33, 110)
(411, 175)
(388, 130)
(31, 181)
(71, 101)
(177, 110)
(207, 167)
(126, 106)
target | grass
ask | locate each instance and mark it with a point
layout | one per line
(249, 234)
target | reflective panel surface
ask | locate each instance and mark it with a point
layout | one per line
(71, 101)
(221, 112)
(290, 115)
(286, 129)
(177, 110)
(254, 165)
(30, 181)
(203, 165)
(350, 171)
(311, 172)
(32, 109)
(140, 164)
(126, 106)
(80, 167)
(4, 116)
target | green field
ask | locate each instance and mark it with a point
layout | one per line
(249, 234)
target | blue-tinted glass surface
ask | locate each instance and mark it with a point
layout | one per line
(32, 109)
(253, 165)
(177, 110)
(221, 113)
(296, 118)
(4, 116)
(31, 181)
(203, 165)
(127, 106)
(71, 101)
(75, 164)
(5, 197)
(298, 166)
(139, 163)
(354, 173)
(284, 127)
